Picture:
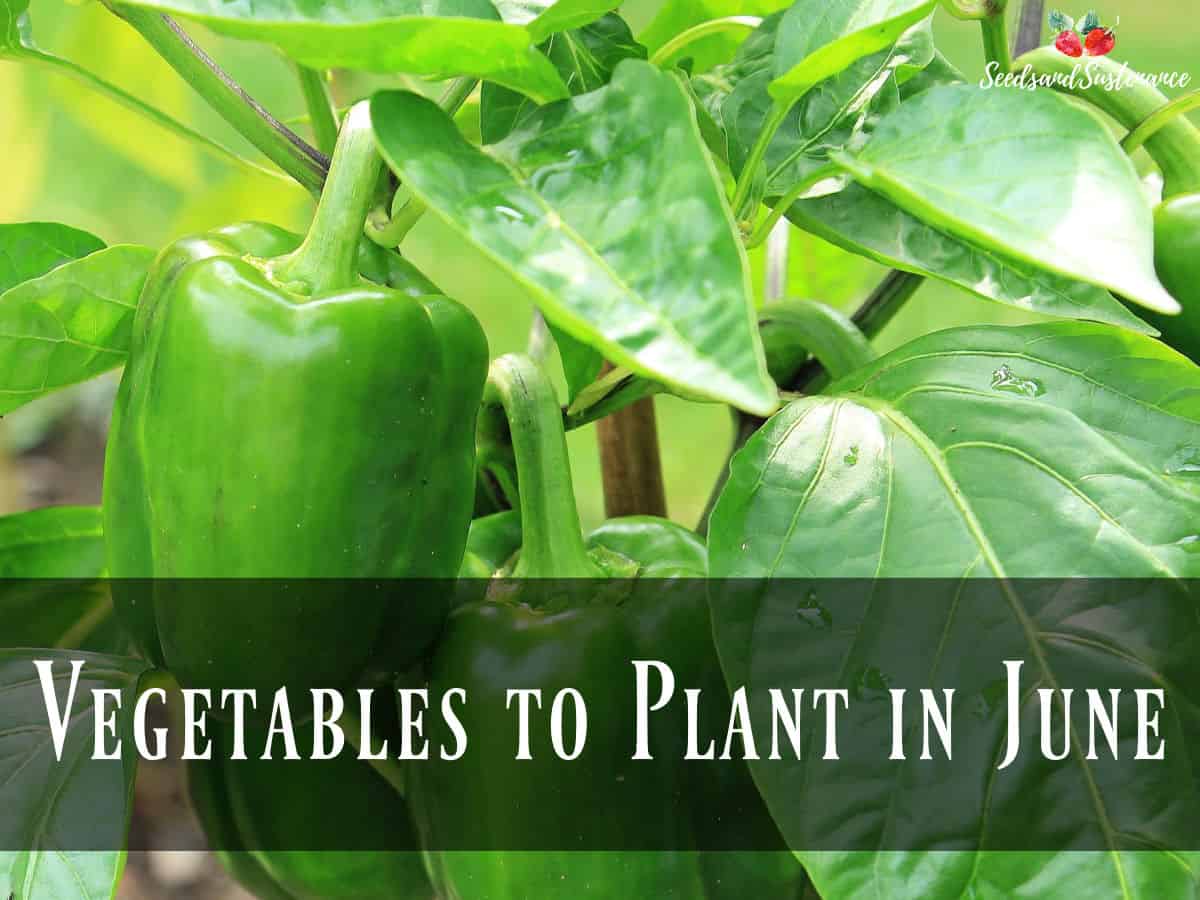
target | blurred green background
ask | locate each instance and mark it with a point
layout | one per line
(75, 157)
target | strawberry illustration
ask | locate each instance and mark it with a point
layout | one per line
(1068, 42)
(1100, 41)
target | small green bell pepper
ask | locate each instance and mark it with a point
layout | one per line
(273, 824)
(535, 630)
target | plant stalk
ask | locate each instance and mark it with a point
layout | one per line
(276, 141)
(321, 116)
(1157, 121)
(552, 543)
(631, 462)
(327, 260)
(743, 193)
(703, 30)
(995, 41)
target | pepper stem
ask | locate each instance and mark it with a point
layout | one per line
(1175, 148)
(328, 258)
(552, 543)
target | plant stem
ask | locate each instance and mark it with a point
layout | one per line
(1029, 30)
(995, 40)
(1159, 119)
(1174, 147)
(321, 117)
(456, 94)
(277, 142)
(743, 192)
(784, 204)
(703, 30)
(631, 462)
(129, 101)
(775, 282)
(327, 260)
(552, 542)
(391, 232)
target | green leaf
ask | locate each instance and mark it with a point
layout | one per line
(70, 324)
(866, 223)
(581, 363)
(584, 58)
(14, 28)
(431, 38)
(37, 609)
(51, 808)
(626, 248)
(837, 113)
(1059, 450)
(545, 17)
(1096, 424)
(1026, 173)
(819, 38)
(677, 16)
(31, 249)
(57, 542)
(939, 71)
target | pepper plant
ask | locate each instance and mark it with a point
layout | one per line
(312, 407)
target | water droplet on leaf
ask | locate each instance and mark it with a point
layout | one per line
(1008, 382)
(1185, 461)
(870, 684)
(812, 613)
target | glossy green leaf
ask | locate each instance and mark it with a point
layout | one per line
(1101, 427)
(938, 72)
(14, 27)
(864, 222)
(868, 224)
(837, 113)
(584, 58)
(676, 16)
(1060, 450)
(56, 542)
(432, 38)
(1045, 876)
(78, 802)
(36, 608)
(545, 17)
(626, 248)
(1026, 173)
(581, 363)
(70, 324)
(31, 249)
(819, 38)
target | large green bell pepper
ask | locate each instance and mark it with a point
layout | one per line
(535, 630)
(275, 825)
(283, 417)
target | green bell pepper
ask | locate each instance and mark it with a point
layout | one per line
(1177, 260)
(535, 630)
(272, 824)
(283, 417)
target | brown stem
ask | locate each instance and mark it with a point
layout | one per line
(1029, 31)
(631, 462)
